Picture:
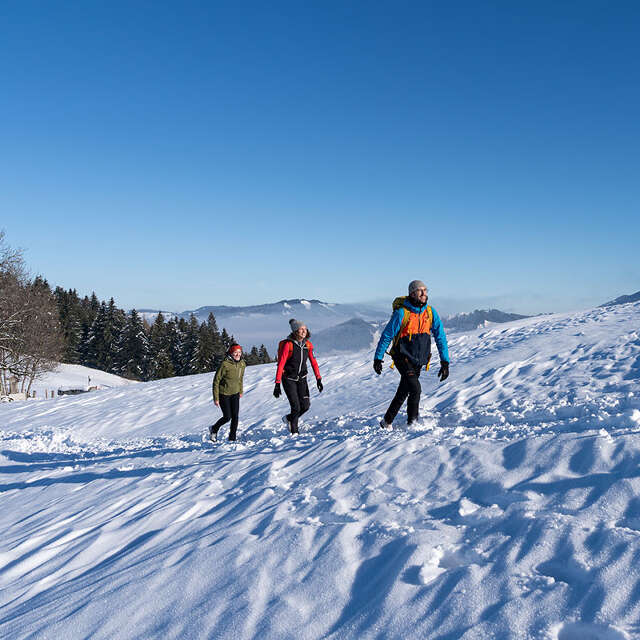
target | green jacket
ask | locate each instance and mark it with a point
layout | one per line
(228, 378)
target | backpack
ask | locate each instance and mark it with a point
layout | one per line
(398, 303)
(281, 346)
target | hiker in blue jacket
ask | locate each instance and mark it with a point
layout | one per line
(409, 332)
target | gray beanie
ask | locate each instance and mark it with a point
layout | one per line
(416, 284)
(296, 324)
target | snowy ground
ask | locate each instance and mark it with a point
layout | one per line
(512, 511)
(74, 376)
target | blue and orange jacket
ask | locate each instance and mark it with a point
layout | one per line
(414, 341)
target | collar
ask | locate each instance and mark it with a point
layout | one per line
(409, 305)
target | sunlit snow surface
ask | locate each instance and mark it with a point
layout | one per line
(511, 511)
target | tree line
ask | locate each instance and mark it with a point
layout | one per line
(40, 327)
(98, 334)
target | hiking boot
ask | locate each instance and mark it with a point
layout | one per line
(286, 420)
(213, 434)
(385, 425)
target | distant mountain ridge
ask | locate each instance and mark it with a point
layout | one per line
(268, 323)
(282, 307)
(479, 318)
(288, 307)
(335, 327)
(634, 297)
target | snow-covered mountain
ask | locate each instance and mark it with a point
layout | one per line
(634, 297)
(268, 323)
(353, 335)
(479, 318)
(510, 511)
(151, 314)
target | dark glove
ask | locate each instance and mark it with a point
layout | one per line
(443, 374)
(276, 390)
(319, 383)
(377, 366)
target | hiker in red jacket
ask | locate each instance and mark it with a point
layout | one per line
(293, 353)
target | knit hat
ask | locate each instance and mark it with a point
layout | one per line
(296, 324)
(416, 284)
(234, 347)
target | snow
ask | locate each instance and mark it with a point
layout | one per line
(75, 376)
(512, 510)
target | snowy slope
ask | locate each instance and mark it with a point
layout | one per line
(75, 376)
(512, 511)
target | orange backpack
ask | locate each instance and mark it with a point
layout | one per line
(398, 303)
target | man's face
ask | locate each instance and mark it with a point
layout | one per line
(420, 295)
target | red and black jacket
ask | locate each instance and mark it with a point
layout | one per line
(292, 360)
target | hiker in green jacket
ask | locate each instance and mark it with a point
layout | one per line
(227, 391)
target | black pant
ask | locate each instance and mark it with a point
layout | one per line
(298, 395)
(409, 387)
(230, 406)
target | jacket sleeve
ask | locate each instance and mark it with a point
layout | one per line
(244, 366)
(313, 361)
(284, 356)
(389, 333)
(437, 330)
(216, 383)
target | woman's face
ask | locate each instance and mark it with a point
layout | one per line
(236, 354)
(301, 332)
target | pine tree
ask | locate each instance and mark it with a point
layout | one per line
(162, 367)
(227, 340)
(263, 355)
(190, 347)
(96, 352)
(174, 345)
(158, 344)
(252, 357)
(115, 323)
(219, 350)
(205, 356)
(68, 305)
(133, 348)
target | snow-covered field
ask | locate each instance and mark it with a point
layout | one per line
(75, 376)
(512, 511)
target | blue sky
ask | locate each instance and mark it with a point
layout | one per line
(237, 153)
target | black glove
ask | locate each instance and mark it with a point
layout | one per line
(276, 390)
(377, 366)
(319, 383)
(443, 374)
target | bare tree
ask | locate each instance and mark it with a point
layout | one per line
(30, 336)
(12, 280)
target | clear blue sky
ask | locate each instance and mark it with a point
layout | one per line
(181, 154)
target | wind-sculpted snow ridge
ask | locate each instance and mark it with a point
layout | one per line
(511, 511)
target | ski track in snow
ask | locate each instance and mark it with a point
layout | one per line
(511, 511)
